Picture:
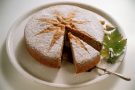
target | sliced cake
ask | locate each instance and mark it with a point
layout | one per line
(45, 32)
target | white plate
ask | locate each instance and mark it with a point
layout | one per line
(63, 77)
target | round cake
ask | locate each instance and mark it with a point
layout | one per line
(49, 30)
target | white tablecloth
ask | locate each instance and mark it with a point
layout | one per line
(123, 11)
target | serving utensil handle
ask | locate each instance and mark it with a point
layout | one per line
(114, 73)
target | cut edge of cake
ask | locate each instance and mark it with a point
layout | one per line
(85, 63)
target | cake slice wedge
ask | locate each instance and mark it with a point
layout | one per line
(85, 56)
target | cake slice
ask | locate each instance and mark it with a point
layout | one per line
(85, 56)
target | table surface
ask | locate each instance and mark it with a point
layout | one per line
(123, 11)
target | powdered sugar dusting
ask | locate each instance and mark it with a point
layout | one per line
(80, 54)
(42, 42)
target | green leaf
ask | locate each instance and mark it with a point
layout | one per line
(115, 35)
(112, 60)
(113, 45)
(119, 46)
(105, 53)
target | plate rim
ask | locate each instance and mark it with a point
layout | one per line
(30, 12)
